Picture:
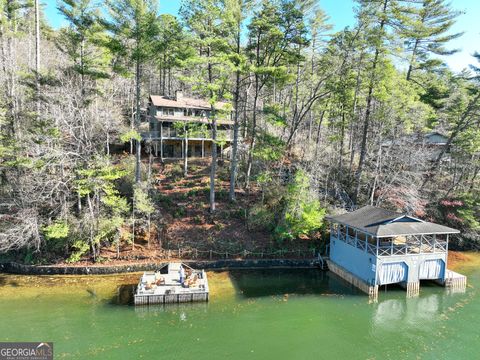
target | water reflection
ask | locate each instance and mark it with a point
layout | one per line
(278, 282)
(182, 309)
(418, 312)
(124, 295)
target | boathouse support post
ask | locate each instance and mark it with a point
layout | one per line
(413, 288)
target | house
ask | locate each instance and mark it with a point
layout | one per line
(435, 139)
(181, 126)
(428, 146)
(372, 247)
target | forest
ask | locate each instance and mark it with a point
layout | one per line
(324, 122)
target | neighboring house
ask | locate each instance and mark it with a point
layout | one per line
(430, 145)
(371, 247)
(435, 139)
(436, 143)
(171, 118)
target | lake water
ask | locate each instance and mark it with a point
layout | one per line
(294, 314)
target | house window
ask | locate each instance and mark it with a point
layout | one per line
(168, 111)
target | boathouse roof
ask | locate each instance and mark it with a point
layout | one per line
(384, 223)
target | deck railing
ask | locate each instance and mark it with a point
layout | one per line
(420, 245)
(168, 133)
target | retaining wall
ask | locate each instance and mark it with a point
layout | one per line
(16, 268)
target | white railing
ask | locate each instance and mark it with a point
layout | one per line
(423, 247)
(372, 249)
(361, 244)
(173, 133)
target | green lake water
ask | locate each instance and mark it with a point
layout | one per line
(288, 314)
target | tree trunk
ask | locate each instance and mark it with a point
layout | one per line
(37, 55)
(185, 153)
(137, 122)
(412, 60)
(366, 123)
(233, 165)
(253, 134)
(213, 167)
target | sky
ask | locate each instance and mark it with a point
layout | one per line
(341, 15)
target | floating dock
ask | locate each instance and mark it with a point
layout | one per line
(164, 287)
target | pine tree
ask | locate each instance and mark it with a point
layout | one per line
(172, 47)
(211, 32)
(133, 26)
(81, 41)
(237, 11)
(427, 31)
(275, 35)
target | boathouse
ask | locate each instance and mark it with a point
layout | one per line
(371, 247)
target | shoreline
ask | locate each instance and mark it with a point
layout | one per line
(461, 259)
(22, 269)
(456, 260)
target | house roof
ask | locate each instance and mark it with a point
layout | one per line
(383, 223)
(436, 138)
(184, 103)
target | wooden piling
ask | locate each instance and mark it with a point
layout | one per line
(413, 289)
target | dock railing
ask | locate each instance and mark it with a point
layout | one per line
(417, 245)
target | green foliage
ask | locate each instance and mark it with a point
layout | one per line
(210, 29)
(142, 201)
(261, 218)
(108, 229)
(173, 43)
(57, 230)
(461, 212)
(270, 147)
(132, 25)
(176, 172)
(57, 236)
(427, 29)
(130, 135)
(179, 212)
(273, 115)
(80, 247)
(303, 214)
(82, 40)
(277, 32)
(100, 175)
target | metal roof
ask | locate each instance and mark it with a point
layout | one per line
(382, 223)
